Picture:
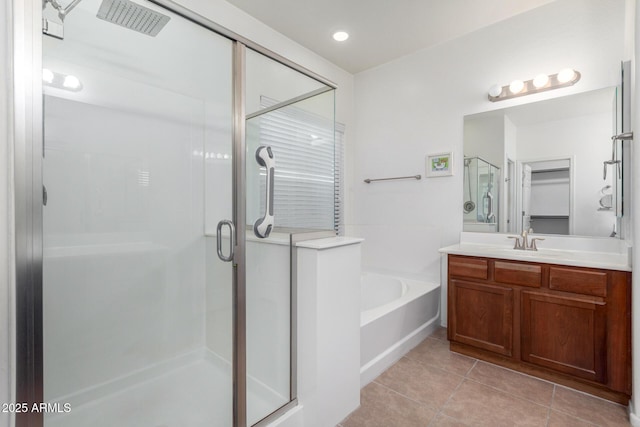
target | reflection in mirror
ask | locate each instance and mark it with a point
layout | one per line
(482, 180)
(548, 165)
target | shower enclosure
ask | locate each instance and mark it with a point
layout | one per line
(151, 297)
(481, 195)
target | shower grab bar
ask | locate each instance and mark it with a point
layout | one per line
(232, 240)
(263, 226)
(417, 177)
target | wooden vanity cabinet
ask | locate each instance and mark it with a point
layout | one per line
(483, 316)
(567, 324)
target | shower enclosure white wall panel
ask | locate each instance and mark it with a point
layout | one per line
(123, 243)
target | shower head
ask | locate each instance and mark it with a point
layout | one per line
(132, 16)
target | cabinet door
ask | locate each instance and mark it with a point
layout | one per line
(481, 316)
(567, 334)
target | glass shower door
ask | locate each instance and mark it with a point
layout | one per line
(136, 305)
(290, 189)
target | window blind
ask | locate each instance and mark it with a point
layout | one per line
(309, 153)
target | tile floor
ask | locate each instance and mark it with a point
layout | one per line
(433, 387)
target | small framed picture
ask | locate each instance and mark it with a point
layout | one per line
(440, 164)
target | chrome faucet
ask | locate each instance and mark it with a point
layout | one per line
(525, 245)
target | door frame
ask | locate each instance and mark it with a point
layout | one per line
(572, 170)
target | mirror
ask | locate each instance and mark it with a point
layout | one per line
(549, 165)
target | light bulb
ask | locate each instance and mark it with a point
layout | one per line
(566, 75)
(540, 80)
(516, 86)
(47, 75)
(71, 82)
(340, 36)
(495, 90)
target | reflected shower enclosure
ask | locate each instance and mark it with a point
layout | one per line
(481, 195)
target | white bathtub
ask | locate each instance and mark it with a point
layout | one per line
(397, 314)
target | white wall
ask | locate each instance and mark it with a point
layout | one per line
(415, 105)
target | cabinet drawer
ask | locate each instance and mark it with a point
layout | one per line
(578, 281)
(514, 273)
(475, 268)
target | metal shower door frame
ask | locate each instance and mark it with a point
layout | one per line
(27, 385)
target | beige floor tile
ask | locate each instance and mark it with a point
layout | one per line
(444, 421)
(560, 419)
(381, 407)
(592, 409)
(426, 384)
(513, 383)
(434, 352)
(439, 334)
(478, 405)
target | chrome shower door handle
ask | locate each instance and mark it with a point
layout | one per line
(263, 226)
(232, 240)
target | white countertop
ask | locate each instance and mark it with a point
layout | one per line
(607, 254)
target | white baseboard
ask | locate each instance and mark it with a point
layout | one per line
(383, 361)
(633, 418)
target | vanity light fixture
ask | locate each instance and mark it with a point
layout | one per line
(47, 75)
(542, 82)
(71, 82)
(516, 87)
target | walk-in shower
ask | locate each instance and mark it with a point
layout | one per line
(152, 186)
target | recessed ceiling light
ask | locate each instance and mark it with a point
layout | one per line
(340, 36)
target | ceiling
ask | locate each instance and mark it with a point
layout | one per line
(380, 30)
